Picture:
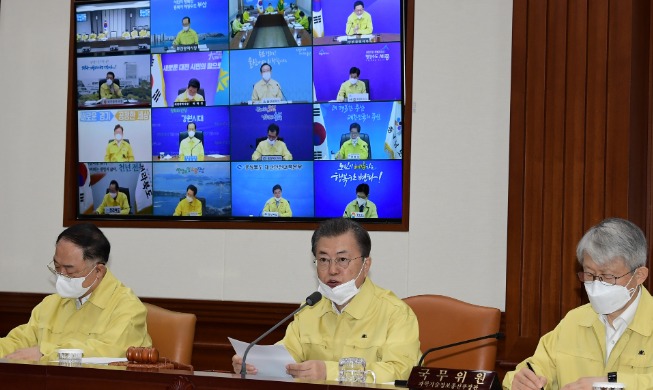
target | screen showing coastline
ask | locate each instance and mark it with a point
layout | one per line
(225, 110)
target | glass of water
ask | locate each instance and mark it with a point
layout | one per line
(352, 370)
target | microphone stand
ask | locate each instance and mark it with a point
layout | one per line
(497, 336)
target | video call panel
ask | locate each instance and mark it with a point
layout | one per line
(170, 95)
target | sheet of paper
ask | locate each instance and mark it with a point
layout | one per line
(269, 360)
(102, 360)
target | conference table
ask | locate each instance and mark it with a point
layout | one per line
(51, 376)
(268, 21)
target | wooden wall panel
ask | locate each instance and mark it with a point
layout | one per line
(579, 148)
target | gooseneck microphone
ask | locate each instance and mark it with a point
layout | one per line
(311, 300)
(497, 336)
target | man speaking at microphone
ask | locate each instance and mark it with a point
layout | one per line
(357, 318)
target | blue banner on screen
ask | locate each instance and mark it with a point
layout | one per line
(169, 124)
(173, 74)
(380, 121)
(253, 183)
(212, 180)
(379, 63)
(336, 182)
(207, 22)
(249, 123)
(291, 69)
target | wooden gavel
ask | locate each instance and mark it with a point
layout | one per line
(143, 355)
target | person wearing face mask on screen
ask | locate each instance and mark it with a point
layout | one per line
(272, 146)
(266, 88)
(109, 89)
(351, 86)
(277, 204)
(187, 36)
(191, 146)
(354, 148)
(92, 310)
(359, 22)
(118, 149)
(609, 339)
(190, 206)
(356, 318)
(113, 199)
(361, 207)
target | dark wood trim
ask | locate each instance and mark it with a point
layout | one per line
(580, 148)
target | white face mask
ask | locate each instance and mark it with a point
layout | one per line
(608, 299)
(359, 16)
(186, 28)
(189, 199)
(361, 201)
(271, 141)
(113, 194)
(354, 141)
(353, 81)
(266, 76)
(191, 134)
(72, 287)
(109, 82)
(343, 293)
(118, 137)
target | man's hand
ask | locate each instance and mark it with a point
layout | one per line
(32, 353)
(237, 363)
(310, 369)
(584, 383)
(527, 379)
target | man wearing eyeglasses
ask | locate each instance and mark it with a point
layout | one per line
(611, 338)
(357, 318)
(91, 310)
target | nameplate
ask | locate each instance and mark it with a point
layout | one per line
(270, 214)
(448, 378)
(112, 210)
(114, 48)
(353, 156)
(193, 214)
(271, 101)
(350, 41)
(182, 48)
(357, 214)
(271, 158)
(190, 158)
(113, 101)
(358, 97)
(190, 104)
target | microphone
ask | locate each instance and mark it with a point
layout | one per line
(497, 336)
(311, 300)
(191, 149)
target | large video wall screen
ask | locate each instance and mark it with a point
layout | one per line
(240, 110)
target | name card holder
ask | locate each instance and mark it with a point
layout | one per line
(447, 378)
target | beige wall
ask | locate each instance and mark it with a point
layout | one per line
(458, 196)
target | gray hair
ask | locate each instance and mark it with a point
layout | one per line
(614, 238)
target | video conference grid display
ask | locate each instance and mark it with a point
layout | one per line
(181, 100)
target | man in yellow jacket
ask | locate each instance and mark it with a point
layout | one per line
(91, 310)
(272, 146)
(355, 318)
(114, 198)
(277, 204)
(351, 86)
(119, 150)
(609, 339)
(190, 205)
(361, 207)
(109, 89)
(359, 22)
(187, 36)
(354, 148)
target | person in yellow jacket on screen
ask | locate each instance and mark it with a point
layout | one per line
(361, 205)
(191, 94)
(191, 145)
(351, 86)
(354, 146)
(187, 36)
(272, 146)
(114, 198)
(359, 22)
(119, 150)
(109, 89)
(277, 204)
(91, 310)
(189, 206)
